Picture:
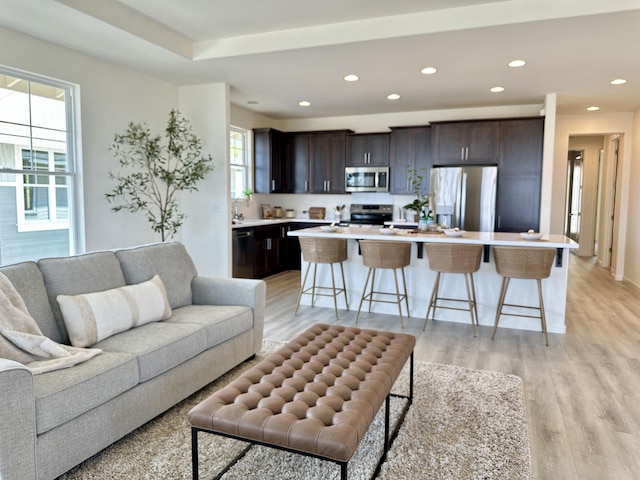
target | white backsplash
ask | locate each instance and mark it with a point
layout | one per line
(302, 202)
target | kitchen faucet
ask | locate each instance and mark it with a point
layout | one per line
(236, 214)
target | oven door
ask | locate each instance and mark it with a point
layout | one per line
(364, 218)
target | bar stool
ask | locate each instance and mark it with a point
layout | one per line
(385, 254)
(525, 263)
(328, 251)
(454, 258)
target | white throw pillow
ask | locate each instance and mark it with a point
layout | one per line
(92, 317)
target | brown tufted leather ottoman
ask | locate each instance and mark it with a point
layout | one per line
(316, 396)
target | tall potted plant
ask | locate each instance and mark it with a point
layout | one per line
(153, 172)
(416, 178)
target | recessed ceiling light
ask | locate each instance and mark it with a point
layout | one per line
(304, 103)
(252, 102)
(351, 78)
(393, 96)
(593, 109)
(517, 63)
(497, 89)
(429, 70)
(618, 81)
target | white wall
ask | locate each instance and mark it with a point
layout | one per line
(110, 98)
(632, 253)
(206, 233)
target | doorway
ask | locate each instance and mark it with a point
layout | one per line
(573, 208)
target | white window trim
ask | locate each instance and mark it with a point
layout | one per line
(248, 166)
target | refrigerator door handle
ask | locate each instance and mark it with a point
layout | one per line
(462, 205)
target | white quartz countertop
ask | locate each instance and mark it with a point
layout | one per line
(484, 238)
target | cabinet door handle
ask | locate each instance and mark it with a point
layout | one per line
(364, 158)
(273, 185)
(328, 185)
(306, 185)
(466, 153)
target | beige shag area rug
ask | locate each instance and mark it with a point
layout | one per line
(463, 424)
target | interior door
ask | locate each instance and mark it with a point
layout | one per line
(575, 173)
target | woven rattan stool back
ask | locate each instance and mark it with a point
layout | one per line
(454, 257)
(384, 254)
(518, 262)
(323, 250)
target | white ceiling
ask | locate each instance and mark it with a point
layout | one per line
(278, 52)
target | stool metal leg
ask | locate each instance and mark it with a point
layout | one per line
(543, 318)
(503, 291)
(406, 297)
(304, 282)
(473, 292)
(313, 291)
(364, 293)
(333, 287)
(471, 304)
(344, 287)
(373, 282)
(398, 299)
(432, 301)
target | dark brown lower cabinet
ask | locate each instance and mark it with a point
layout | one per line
(266, 260)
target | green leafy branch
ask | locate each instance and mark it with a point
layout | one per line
(416, 178)
(153, 173)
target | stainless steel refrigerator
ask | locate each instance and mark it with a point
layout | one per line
(465, 197)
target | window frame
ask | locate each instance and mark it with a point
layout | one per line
(246, 166)
(74, 223)
(24, 224)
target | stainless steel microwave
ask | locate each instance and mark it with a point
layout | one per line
(366, 179)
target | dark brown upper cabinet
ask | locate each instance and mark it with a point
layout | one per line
(473, 142)
(327, 151)
(519, 175)
(367, 150)
(269, 148)
(410, 147)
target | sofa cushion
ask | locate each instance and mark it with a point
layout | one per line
(93, 272)
(169, 260)
(221, 322)
(28, 281)
(158, 346)
(92, 317)
(64, 394)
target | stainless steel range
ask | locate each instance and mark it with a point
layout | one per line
(370, 214)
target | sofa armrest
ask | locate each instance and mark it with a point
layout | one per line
(17, 422)
(233, 291)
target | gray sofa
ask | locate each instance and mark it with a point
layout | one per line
(53, 421)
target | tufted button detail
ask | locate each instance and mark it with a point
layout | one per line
(318, 394)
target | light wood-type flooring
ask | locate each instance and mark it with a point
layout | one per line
(582, 391)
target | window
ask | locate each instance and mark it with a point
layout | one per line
(37, 170)
(240, 162)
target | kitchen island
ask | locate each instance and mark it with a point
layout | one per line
(420, 278)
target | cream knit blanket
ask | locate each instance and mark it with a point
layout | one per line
(22, 341)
